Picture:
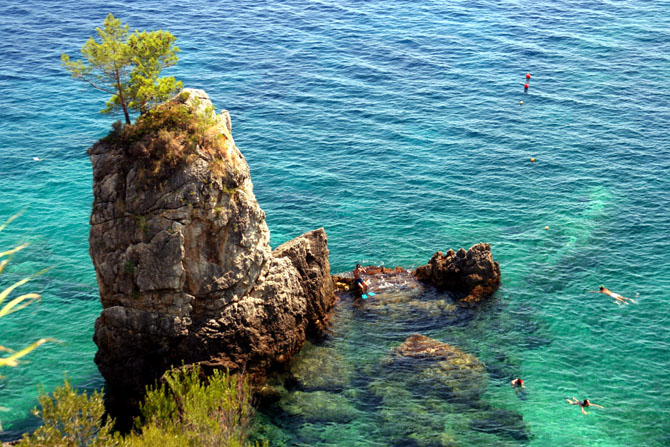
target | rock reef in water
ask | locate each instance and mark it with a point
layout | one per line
(433, 367)
(473, 274)
(440, 386)
(182, 256)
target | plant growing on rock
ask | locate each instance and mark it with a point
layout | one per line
(170, 135)
(127, 66)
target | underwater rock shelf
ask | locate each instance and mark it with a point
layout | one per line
(416, 392)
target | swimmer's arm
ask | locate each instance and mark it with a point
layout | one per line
(596, 405)
(583, 411)
(593, 291)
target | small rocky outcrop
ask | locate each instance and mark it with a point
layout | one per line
(473, 275)
(182, 256)
(434, 382)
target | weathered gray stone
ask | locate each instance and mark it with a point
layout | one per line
(184, 265)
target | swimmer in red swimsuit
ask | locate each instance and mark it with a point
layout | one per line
(517, 383)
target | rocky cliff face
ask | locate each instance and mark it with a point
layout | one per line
(182, 255)
(473, 274)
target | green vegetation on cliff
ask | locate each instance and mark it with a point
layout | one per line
(171, 135)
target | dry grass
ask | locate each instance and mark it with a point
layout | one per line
(172, 135)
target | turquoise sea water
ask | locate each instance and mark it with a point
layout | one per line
(397, 126)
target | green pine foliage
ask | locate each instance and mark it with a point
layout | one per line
(127, 66)
(209, 414)
(151, 52)
(71, 419)
(186, 410)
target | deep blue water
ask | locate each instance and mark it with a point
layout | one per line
(398, 127)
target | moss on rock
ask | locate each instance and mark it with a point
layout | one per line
(319, 406)
(320, 368)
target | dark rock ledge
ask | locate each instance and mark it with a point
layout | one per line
(473, 273)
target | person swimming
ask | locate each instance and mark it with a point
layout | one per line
(582, 405)
(619, 299)
(519, 388)
(517, 383)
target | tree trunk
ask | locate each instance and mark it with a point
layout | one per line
(125, 113)
(121, 99)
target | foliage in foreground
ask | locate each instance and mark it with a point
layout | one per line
(71, 419)
(127, 66)
(183, 411)
(15, 304)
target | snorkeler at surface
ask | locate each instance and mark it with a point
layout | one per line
(517, 383)
(582, 405)
(619, 299)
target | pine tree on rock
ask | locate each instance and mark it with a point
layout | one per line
(127, 66)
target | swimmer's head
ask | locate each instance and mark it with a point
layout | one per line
(358, 266)
(602, 288)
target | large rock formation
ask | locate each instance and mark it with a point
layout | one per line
(182, 255)
(472, 274)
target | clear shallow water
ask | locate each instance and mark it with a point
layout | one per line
(398, 128)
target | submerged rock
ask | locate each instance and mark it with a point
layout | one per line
(503, 423)
(430, 367)
(320, 368)
(319, 406)
(473, 274)
(440, 386)
(182, 256)
(424, 428)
